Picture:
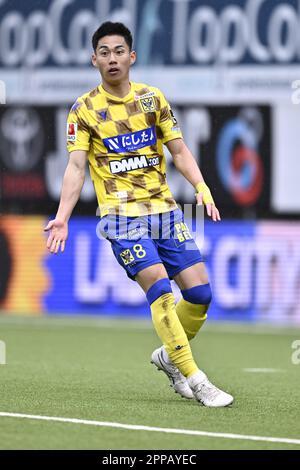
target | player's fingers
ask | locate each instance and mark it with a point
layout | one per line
(215, 214)
(50, 240)
(62, 248)
(49, 226)
(218, 215)
(209, 210)
(53, 245)
(57, 246)
(199, 199)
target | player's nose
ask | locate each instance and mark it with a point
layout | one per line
(112, 59)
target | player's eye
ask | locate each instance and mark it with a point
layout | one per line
(120, 51)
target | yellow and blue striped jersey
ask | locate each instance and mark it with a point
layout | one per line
(124, 138)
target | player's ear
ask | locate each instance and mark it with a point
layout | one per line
(132, 57)
(94, 59)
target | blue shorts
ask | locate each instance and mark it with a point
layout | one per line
(139, 242)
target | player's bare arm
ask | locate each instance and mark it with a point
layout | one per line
(187, 166)
(71, 189)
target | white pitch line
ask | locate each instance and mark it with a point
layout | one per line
(261, 369)
(134, 427)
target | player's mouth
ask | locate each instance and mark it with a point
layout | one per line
(113, 71)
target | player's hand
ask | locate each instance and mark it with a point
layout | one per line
(58, 233)
(211, 209)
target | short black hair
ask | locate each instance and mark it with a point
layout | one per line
(110, 29)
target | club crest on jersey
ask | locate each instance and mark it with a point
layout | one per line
(147, 104)
(127, 257)
(71, 131)
(131, 142)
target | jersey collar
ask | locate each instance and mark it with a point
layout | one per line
(126, 98)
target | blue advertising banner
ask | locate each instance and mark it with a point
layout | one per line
(246, 262)
(253, 270)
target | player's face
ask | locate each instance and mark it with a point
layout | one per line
(113, 59)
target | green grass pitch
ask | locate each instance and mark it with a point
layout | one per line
(94, 369)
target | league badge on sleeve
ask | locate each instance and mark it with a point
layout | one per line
(71, 131)
(175, 122)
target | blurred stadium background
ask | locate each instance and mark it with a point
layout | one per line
(231, 70)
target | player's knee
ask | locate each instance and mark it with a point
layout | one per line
(159, 288)
(198, 295)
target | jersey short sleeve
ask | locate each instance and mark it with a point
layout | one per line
(167, 121)
(78, 133)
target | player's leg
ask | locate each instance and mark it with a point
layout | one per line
(191, 311)
(196, 297)
(183, 263)
(141, 262)
(156, 284)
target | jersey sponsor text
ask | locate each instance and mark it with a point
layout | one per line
(132, 163)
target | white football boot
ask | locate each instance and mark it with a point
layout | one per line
(207, 393)
(179, 383)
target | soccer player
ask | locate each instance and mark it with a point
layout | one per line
(120, 128)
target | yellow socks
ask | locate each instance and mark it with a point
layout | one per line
(172, 334)
(192, 308)
(177, 325)
(191, 316)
